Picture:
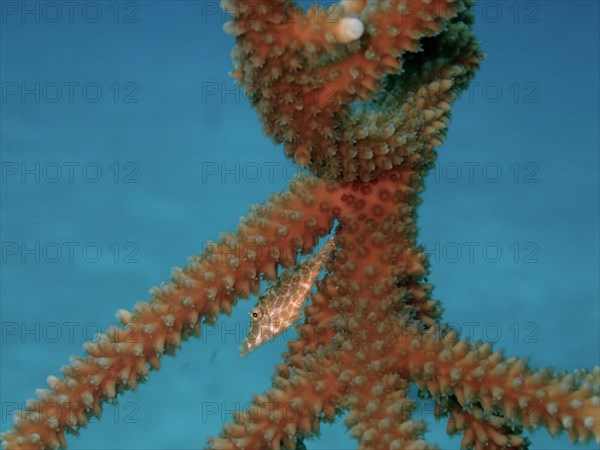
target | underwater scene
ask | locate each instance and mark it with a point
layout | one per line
(126, 147)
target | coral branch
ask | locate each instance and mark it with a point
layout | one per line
(480, 432)
(502, 391)
(298, 73)
(346, 337)
(211, 284)
(293, 407)
(383, 419)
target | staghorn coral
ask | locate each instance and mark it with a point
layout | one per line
(373, 307)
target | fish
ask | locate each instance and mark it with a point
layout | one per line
(279, 307)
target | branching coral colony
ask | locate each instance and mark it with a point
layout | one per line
(360, 95)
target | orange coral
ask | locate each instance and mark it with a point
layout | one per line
(307, 105)
(372, 329)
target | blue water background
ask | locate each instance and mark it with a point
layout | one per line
(528, 130)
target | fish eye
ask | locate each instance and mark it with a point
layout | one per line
(256, 314)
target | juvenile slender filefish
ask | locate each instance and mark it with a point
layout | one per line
(279, 307)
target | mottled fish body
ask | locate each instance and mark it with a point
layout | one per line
(280, 305)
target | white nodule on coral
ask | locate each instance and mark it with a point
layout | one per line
(349, 29)
(232, 28)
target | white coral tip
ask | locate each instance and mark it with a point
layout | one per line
(349, 29)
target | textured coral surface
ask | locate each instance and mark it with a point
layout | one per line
(372, 329)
